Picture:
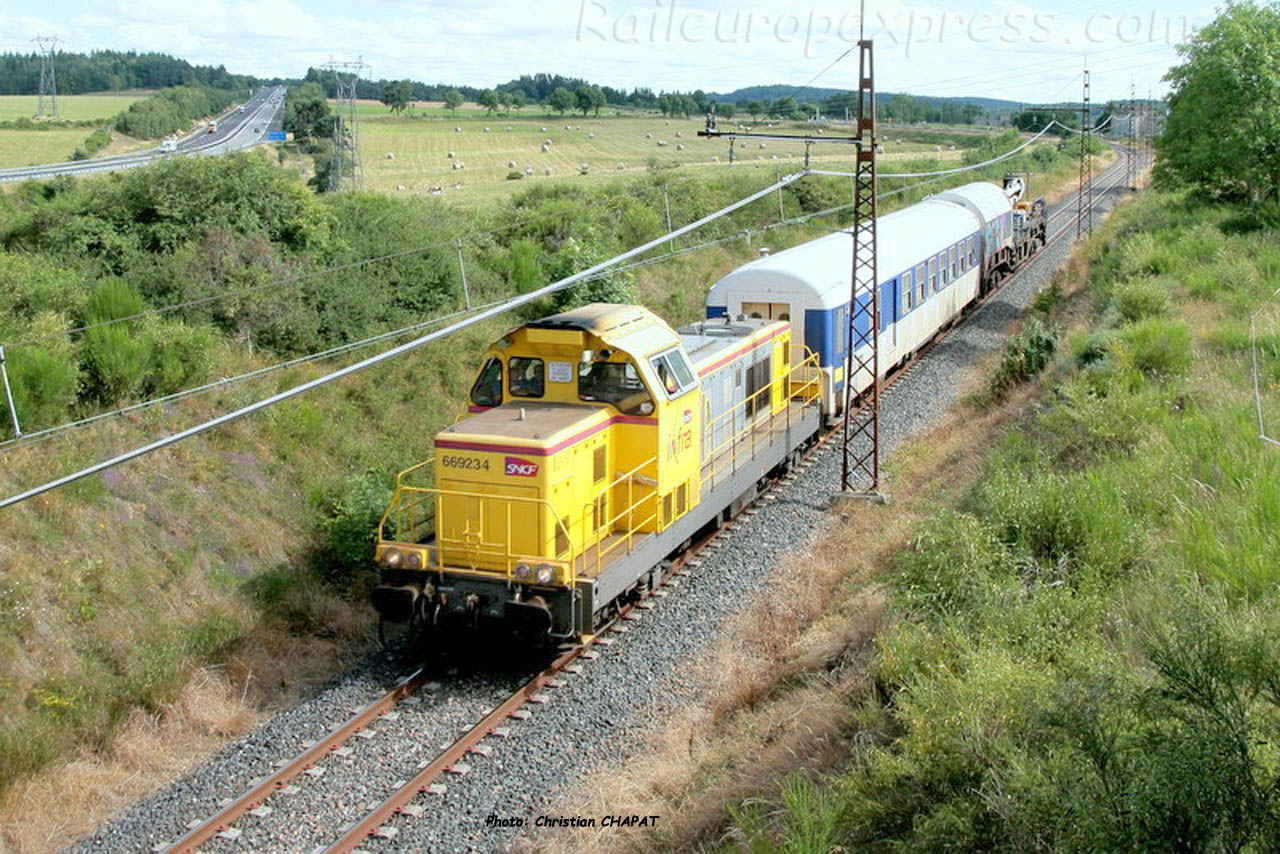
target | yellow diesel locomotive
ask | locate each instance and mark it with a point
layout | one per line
(596, 443)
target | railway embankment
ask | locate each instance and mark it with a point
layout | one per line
(149, 616)
(1061, 631)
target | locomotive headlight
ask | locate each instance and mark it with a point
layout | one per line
(547, 574)
(523, 571)
(392, 557)
(414, 560)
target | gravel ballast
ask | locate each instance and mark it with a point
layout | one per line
(601, 716)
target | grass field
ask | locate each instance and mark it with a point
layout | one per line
(72, 107)
(33, 147)
(413, 151)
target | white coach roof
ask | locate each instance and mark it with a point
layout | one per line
(987, 199)
(818, 271)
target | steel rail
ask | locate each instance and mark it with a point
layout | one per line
(227, 816)
(375, 819)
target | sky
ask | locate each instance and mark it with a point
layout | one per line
(1030, 52)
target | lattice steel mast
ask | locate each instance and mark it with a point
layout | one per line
(345, 170)
(48, 78)
(1084, 199)
(860, 447)
(861, 433)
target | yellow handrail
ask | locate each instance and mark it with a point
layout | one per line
(414, 507)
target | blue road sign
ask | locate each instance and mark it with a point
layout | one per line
(276, 136)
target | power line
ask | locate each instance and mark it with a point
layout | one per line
(30, 438)
(398, 350)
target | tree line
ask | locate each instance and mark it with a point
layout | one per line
(113, 70)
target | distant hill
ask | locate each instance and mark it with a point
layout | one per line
(819, 94)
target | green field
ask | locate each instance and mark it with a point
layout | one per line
(33, 147)
(70, 107)
(410, 153)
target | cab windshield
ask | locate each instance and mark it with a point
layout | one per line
(617, 383)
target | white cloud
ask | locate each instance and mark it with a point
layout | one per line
(922, 47)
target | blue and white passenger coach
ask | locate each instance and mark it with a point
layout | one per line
(934, 258)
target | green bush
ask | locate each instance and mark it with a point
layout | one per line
(1025, 355)
(1158, 348)
(515, 175)
(949, 565)
(1138, 299)
(349, 528)
(45, 382)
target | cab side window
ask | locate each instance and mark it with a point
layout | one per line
(527, 377)
(488, 388)
(674, 372)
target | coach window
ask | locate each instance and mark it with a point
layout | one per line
(488, 388)
(618, 383)
(527, 378)
(973, 261)
(955, 262)
(908, 291)
(673, 372)
(924, 295)
(933, 275)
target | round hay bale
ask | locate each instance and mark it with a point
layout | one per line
(390, 156)
(762, 145)
(528, 170)
(546, 170)
(451, 155)
(715, 159)
(591, 136)
(662, 143)
(511, 164)
(545, 148)
(457, 130)
(400, 188)
(679, 146)
(486, 130)
(622, 166)
(678, 134)
(648, 136)
(544, 130)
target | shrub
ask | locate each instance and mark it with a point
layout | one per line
(515, 175)
(1025, 355)
(948, 565)
(349, 530)
(45, 384)
(1158, 348)
(1138, 299)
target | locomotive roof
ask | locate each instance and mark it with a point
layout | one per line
(598, 318)
(630, 328)
(541, 422)
(707, 341)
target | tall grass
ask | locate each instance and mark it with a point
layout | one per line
(1085, 655)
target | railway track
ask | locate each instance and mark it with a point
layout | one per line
(479, 738)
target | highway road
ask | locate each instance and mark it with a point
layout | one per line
(239, 128)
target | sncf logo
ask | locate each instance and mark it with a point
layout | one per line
(517, 467)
